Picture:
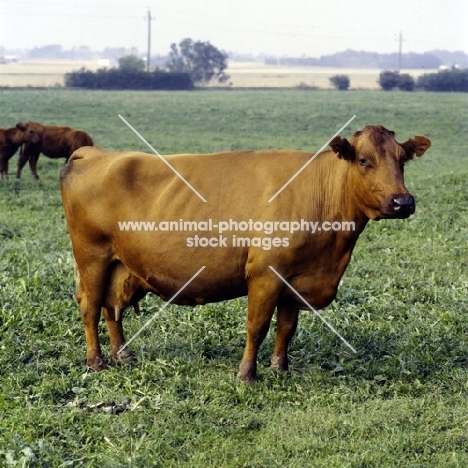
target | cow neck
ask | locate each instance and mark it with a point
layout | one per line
(330, 192)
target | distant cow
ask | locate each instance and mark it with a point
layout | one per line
(54, 142)
(357, 180)
(10, 140)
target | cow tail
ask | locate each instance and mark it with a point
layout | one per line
(68, 166)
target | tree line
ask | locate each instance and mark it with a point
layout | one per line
(454, 80)
(190, 63)
(196, 62)
(361, 59)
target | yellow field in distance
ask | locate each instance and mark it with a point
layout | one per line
(50, 73)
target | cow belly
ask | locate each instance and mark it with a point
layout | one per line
(212, 291)
(167, 268)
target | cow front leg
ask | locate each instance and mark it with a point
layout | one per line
(114, 326)
(262, 298)
(287, 318)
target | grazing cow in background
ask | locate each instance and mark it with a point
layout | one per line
(54, 142)
(10, 140)
(355, 181)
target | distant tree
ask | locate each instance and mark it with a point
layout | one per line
(388, 80)
(51, 51)
(202, 60)
(406, 82)
(340, 82)
(445, 80)
(131, 63)
(426, 60)
(450, 59)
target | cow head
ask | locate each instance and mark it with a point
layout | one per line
(27, 133)
(376, 170)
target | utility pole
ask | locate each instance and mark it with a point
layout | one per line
(148, 56)
(399, 52)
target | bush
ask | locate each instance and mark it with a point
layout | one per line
(406, 82)
(340, 82)
(389, 80)
(121, 79)
(454, 80)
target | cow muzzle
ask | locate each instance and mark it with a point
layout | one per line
(399, 206)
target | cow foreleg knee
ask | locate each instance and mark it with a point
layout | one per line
(286, 325)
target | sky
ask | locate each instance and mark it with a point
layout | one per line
(275, 27)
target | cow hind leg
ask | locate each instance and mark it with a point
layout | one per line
(22, 160)
(117, 341)
(90, 288)
(262, 298)
(91, 314)
(287, 318)
(33, 164)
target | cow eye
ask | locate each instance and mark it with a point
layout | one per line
(362, 161)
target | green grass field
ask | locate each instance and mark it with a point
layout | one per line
(401, 401)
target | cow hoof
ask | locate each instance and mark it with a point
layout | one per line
(248, 379)
(278, 364)
(96, 364)
(125, 357)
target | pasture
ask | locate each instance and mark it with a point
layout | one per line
(401, 401)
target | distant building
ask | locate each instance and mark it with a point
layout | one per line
(103, 62)
(8, 59)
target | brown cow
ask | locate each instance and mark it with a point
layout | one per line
(10, 140)
(357, 180)
(54, 142)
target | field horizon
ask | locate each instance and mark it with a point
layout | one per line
(51, 73)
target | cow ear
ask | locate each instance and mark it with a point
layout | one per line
(21, 126)
(417, 145)
(342, 147)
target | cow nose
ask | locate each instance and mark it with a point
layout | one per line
(404, 204)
